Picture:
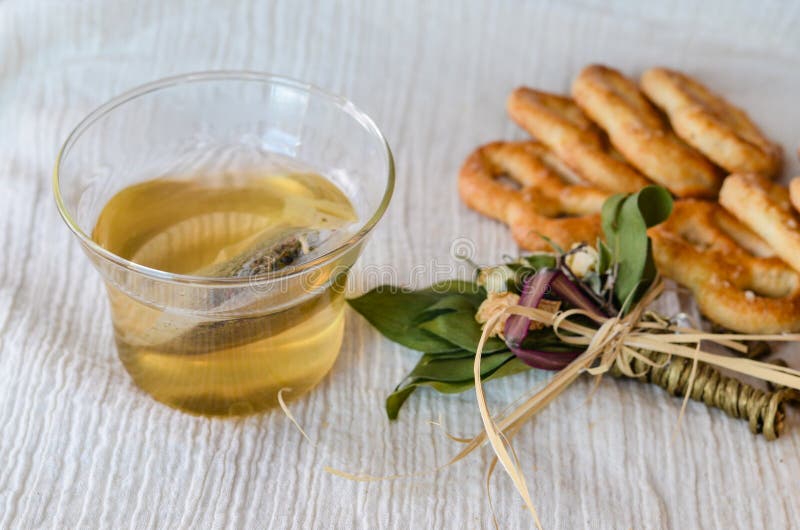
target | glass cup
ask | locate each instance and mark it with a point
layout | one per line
(222, 345)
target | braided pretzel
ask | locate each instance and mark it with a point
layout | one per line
(560, 124)
(732, 273)
(704, 120)
(794, 193)
(638, 132)
(764, 207)
(547, 193)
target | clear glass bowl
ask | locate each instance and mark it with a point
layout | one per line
(279, 330)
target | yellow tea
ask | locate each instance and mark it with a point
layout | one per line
(235, 355)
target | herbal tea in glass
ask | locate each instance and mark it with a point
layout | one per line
(229, 226)
(224, 211)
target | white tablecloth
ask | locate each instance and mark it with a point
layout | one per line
(81, 447)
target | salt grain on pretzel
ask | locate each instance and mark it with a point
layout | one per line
(638, 132)
(764, 207)
(545, 200)
(710, 124)
(734, 277)
(559, 123)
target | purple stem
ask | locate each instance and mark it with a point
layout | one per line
(568, 291)
(517, 326)
(534, 289)
(544, 360)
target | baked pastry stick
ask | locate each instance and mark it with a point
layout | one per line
(525, 186)
(794, 193)
(765, 208)
(712, 125)
(561, 125)
(734, 276)
(637, 131)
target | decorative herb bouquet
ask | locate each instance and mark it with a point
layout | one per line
(585, 309)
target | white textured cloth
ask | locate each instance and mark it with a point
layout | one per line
(81, 447)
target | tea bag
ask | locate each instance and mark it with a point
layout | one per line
(271, 250)
(237, 228)
(268, 251)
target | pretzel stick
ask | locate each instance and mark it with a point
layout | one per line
(544, 203)
(635, 128)
(560, 124)
(712, 125)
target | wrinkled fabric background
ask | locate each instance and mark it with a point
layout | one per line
(81, 447)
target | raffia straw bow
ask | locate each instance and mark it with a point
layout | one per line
(615, 344)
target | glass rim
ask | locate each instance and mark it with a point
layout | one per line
(343, 103)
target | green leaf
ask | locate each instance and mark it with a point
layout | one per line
(461, 329)
(604, 257)
(654, 204)
(625, 222)
(608, 218)
(396, 399)
(457, 354)
(512, 365)
(555, 246)
(540, 261)
(470, 290)
(448, 304)
(395, 312)
(451, 370)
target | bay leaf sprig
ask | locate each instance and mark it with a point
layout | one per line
(627, 254)
(439, 320)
